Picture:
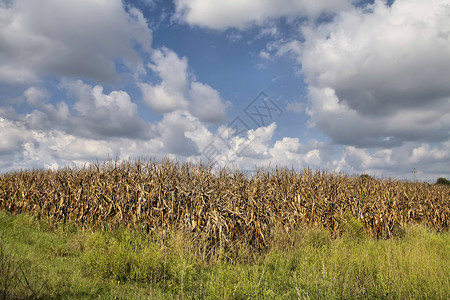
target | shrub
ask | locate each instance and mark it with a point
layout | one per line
(443, 180)
(352, 227)
(365, 177)
(15, 278)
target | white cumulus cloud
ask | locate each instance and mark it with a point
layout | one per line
(206, 103)
(168, 95)
(378, 76)
(99, 115)
(69, 38)
(239, 14)
(178, 89)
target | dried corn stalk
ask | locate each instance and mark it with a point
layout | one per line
(220, 207)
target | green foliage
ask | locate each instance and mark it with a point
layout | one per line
(304, 264)
(16, 277)
(352, 228)
(365, 177)
(443, 180)
(126, 256)
(318, 238)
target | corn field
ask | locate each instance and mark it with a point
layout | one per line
(224, 206)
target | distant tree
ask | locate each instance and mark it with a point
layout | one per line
(443, 180)
(365, 177)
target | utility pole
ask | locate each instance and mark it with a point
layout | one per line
(414, 172)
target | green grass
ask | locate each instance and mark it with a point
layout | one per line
(57, 261)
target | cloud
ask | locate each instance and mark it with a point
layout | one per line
(97, 125)
(45, 115)
(270, 30)
(377, 84)
(257, 144)
(297, 107)
(35, 96)
(181, 135)
(56, 148)
(13, 135)
(283, 47)
(265, 55)
(291, 152)
(429, 161)
(426, 154)
(177, 131)
(177, 135)
(178, 90)
(206, 103)
(234, 36)
(98, 115)
(74, 39)
(379, 76)
(93, 114)
(256, 148)
(169, 94)
(239, 14)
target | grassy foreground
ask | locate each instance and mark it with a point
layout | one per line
(57, 261)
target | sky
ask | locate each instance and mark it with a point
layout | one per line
(358, 87)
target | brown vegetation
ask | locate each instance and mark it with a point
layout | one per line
(221, 207)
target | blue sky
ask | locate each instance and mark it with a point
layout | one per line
(354, 87)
